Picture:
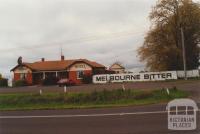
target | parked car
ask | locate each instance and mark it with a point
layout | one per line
(66, 82)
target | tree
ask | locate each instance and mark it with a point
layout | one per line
(3, 81)
(162, 48)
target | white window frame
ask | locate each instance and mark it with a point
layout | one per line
(78, 74)
(23, 76)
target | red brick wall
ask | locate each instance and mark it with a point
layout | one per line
(73, 76)
(88, 72)
(16, 76)
(28, 77)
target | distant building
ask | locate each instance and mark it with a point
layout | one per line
(74, 70)
(117, 68)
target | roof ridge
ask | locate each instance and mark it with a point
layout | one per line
(53, 61)
(59, 64)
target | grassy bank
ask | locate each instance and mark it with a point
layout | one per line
(87, 100)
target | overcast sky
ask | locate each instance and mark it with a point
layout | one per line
(101, 30)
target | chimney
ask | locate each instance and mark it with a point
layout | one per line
(62, 57)
(42, 59)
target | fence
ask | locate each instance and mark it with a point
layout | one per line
(190, 74)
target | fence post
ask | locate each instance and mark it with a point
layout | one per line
(40, 91)
(65, 89)
(123, 87)
(167, 91)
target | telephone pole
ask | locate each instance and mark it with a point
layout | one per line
(182, 40)
(183, 52)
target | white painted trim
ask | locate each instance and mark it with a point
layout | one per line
(44, 75)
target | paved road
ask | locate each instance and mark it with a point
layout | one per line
(126, 120)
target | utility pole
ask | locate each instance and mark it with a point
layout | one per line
(182, 40)
(183, 52)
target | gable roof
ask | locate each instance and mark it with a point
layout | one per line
(58, 65)
(119, 66)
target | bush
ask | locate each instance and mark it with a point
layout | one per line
(20, 83)
(50, 81)
(3, 82)
(87, 79)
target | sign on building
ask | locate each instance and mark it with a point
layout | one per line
(133, 77)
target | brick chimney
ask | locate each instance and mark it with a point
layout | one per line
(42, 59)
(62, 57)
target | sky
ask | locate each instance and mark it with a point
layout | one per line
(105, 31)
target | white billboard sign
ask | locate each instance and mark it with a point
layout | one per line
(149, 76)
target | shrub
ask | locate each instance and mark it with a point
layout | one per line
(87, 79)
(50, 81)
(20, 83)
(3, 82)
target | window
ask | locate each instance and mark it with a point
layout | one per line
(173, 110)
(181, 110)
(22, 76)
(80, 74)
(190, 110)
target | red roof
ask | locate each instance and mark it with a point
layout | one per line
(58, 65)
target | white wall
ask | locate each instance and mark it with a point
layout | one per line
(149, 76)
(190, 74)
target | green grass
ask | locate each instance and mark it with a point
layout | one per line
(87, 100)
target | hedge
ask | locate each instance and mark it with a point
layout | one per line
(3, 82)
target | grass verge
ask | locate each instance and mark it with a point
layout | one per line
(87, 100)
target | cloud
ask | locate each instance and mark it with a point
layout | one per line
(102, 30)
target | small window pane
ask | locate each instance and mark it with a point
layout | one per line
(190, 110)
(22, 76)
(80, 74)
(181, 110)
(173, 110)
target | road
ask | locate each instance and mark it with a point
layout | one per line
(150, 119)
